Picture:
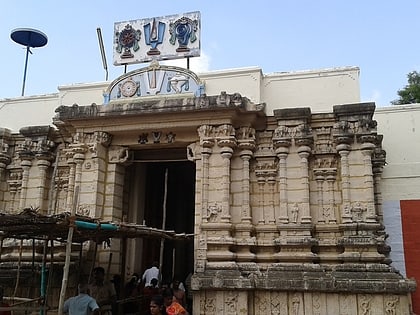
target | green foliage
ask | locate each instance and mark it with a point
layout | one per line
(411, 92)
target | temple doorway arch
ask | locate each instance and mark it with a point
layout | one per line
(159, 191)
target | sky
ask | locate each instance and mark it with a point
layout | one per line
(381, 37)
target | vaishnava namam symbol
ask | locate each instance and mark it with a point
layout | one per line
(153, 36)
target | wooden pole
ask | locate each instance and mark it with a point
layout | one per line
(108, 269)
(43, 274)
(68, 253)
(18, 271)
(93, 261)
(162, 240)
(1, 246)
(50, 272)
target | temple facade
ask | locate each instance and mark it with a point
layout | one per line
(277, 176)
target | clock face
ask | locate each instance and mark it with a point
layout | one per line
(129, 88)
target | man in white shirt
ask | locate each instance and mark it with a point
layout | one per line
(149, 274)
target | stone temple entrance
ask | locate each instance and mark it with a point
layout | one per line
(160, 192)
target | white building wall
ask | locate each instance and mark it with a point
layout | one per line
(318, 89)
(400, 125)
(27, 111)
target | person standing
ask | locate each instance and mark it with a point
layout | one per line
(3, 304)
(151, 273)
(81, 304)
(103, 291)
(149, 292)
(179, 294)
(131, 293)
(172, 306)
(156, 306)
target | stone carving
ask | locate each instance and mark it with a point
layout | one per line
(177, 83)
(223, 99)
(245, 133)
(327, 213)
(103, 138)
(357, 212)
(391, 305)
(156, 136)
(365, 305)
(281, 132)
(213, 212)
(210, 305)
(295, 304)
(225, 131)
(143, 138)
(170, 137)
(83, 209)
(294, 213)
(205, 131)
(263, 302)
(231, 302)
(118, 154)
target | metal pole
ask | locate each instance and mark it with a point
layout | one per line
(24, 72)
(101, 47)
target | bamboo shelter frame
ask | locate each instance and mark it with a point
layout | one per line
(30, 225)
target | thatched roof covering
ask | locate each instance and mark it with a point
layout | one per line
(29, 224)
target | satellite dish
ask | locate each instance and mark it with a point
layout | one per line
(30, 38)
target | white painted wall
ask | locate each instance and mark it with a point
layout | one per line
(400, 126)
(27, 111)
(318, 89)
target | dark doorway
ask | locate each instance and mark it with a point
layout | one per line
(168, 195)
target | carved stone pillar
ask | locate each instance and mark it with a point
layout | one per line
(72, 172)
(264, 207)
(367, 151)
(246, 155)
(76, 157)
(205, 154)
(243, 230)
(304, 151)
(43, 165)
(206, 143)
(331, 179)
(293, 140)
(343, 148)
(217, 222)
(226, 153)
(282, 151)
(79, 157)
(378, 162)
(320, 178)
(26, 163)
(4, 161)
